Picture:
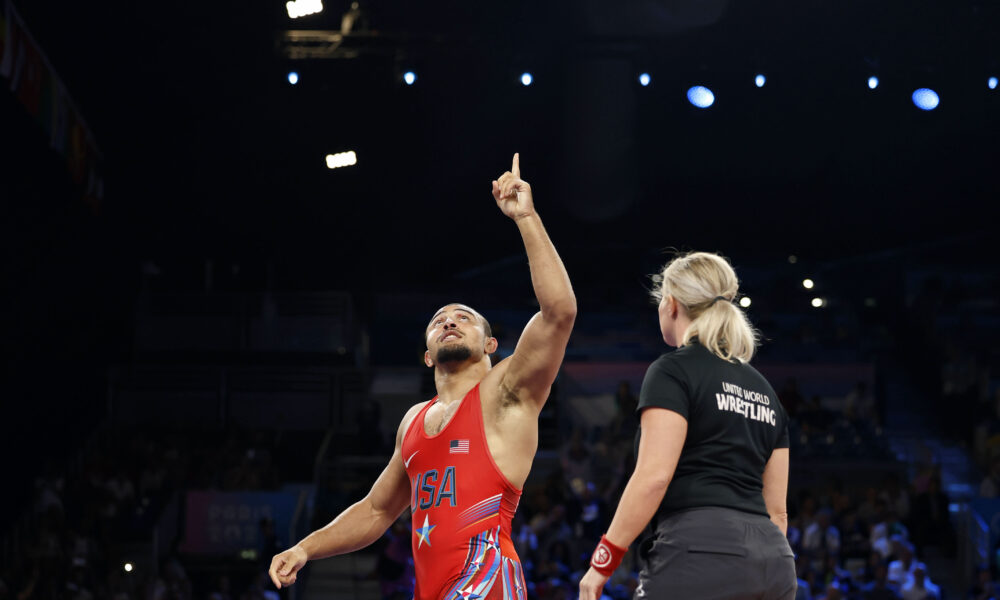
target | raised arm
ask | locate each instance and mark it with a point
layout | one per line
(536, 359)
(359, 525)
(776, 488)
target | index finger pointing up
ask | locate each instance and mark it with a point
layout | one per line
(515, 167)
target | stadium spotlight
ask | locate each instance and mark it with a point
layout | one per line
(341, 159)
(409, 77)
(526, 79)
(745, 301)
(992, 82)
(302, 8)
(926, 99)
(792, 259)
(760, 80)
(644, 79)
(293, 77)
(701, 96)
(128, 567)
(872, 82)
(808, 284)
(818, 302)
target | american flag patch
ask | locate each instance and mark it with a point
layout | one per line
(458, 447)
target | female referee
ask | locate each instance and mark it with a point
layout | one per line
(712, 465)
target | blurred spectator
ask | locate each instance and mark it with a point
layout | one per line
(859, 405)
(802, 591)
(879, 588)
(930, 518)
(588, 512)
(919, 587)
(901, 569)
(821, 536)
(260, 589)
(868, 509)
(222, 589)
(986, 436)
(983, 588)
(990, 485)
(625, 423)
(394, 565)
(268, 542)
(790, 397)
(575, 459)
(853, 536)
(815, 418)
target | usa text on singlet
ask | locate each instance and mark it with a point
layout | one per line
(462, 507)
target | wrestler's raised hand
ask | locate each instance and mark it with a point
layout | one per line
(285, 566)
(513, 194)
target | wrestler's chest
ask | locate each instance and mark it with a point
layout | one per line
(438, 417)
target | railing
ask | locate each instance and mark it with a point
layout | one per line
(289, 397)
(973, 542)
(301, 322)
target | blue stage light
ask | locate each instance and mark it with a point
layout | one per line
(701, 96)
(926, 99)
(644, 79)
(409, 77)
(759, 80)
(992, 83)
(872, 83)
(526, 79)
(293, 77)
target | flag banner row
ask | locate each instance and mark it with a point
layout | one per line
(35, 83)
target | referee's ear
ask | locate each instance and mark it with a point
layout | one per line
(671, 306)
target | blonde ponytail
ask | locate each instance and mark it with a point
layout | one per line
(706, 285)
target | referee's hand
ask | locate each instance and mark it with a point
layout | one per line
(592, 585)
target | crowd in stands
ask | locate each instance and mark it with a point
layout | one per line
(71, 545)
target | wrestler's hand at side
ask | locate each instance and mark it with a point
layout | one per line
(285, 566)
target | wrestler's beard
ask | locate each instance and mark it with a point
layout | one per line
(453, 353)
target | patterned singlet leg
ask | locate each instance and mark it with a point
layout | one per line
(462, 507)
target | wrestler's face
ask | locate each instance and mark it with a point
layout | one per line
(456, 334)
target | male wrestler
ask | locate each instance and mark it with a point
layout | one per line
(461, 458)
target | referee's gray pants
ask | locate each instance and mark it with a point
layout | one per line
(716, 554)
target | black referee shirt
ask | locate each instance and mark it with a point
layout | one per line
(734, 422)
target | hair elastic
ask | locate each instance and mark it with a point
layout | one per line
(717, 298)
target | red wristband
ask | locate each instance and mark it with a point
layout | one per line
(607, 557)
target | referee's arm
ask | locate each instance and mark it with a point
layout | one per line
(660, 445)
(776, 488)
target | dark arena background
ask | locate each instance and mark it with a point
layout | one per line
(210, 335)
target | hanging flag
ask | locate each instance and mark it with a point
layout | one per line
(34, 82)
(4, 37)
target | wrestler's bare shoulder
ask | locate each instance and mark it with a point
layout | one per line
(411, 414)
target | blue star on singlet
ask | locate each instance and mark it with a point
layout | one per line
(425, 533)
